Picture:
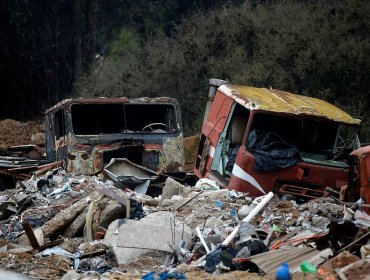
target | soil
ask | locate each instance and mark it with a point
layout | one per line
(13, 133)
(361, 271)
(53, 267)
(343, 259)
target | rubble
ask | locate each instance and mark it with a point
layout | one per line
(71, 226)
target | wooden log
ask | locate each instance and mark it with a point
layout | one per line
(77, 225)
(64, 218)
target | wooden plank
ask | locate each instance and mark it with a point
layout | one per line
(50, 244)
(31, 236)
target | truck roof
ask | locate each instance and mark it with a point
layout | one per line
(105, 100)
(274, 100)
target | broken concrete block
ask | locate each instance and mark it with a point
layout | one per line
(170, 189)
(163, 231)
(131, 239)
(123, 255)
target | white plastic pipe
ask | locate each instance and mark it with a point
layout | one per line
(249, 218)
(202, 240)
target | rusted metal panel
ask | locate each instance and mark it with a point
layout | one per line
(173, 154)
(308, 178)
(88, 154)
(190, 151)
(85, 162)
(285, 102)
(300, 174)
(103, 100)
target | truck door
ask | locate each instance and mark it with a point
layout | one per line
(230, 140)
(365, 179)
(210, 142)
(60, 137)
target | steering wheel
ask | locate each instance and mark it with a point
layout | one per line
(149, 126)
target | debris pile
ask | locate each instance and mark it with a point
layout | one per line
(68, 226)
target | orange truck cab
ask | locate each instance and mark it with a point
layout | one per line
(359, 177)
(257, 140)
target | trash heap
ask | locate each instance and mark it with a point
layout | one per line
(60, 225)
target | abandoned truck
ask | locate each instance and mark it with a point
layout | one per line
(255, 140)
(87, 133)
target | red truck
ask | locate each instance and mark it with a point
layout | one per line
(257, 140)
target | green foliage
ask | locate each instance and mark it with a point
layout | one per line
(127, 44)
(316, 48)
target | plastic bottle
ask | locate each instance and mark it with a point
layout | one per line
(307, 267)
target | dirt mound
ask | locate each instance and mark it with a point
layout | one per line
(14, 133)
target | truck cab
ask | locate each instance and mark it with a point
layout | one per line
(86, 133)
(257, 140)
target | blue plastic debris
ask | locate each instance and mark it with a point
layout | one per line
(149, 276)
(233, 214)
(282, 273)
(219, 203)
(163, 276)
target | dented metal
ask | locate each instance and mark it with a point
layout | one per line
(158, 147)
(285, 102)
(314, 127)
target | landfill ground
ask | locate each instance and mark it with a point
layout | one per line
(15, 133)
(59, 225)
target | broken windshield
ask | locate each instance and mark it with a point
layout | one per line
(316, 139)
(94, 119)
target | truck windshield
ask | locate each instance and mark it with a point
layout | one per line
(315, 139)
(100, 118)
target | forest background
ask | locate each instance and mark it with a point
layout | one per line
(51, 50)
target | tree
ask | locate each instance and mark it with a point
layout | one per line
(313, 48)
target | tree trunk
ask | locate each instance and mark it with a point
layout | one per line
(77, 38)
(91, 29)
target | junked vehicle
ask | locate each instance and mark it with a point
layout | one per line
(86, 133)
(256, 140)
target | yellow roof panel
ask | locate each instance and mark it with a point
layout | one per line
(274, 100)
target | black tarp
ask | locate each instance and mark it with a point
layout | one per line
(271, 152)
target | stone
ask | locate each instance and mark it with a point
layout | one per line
(123, 255)
(131, 239)
(70, 245)
(166, 202)
(171, 188)
(244, 211)
(155, 231)
(71, 275)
